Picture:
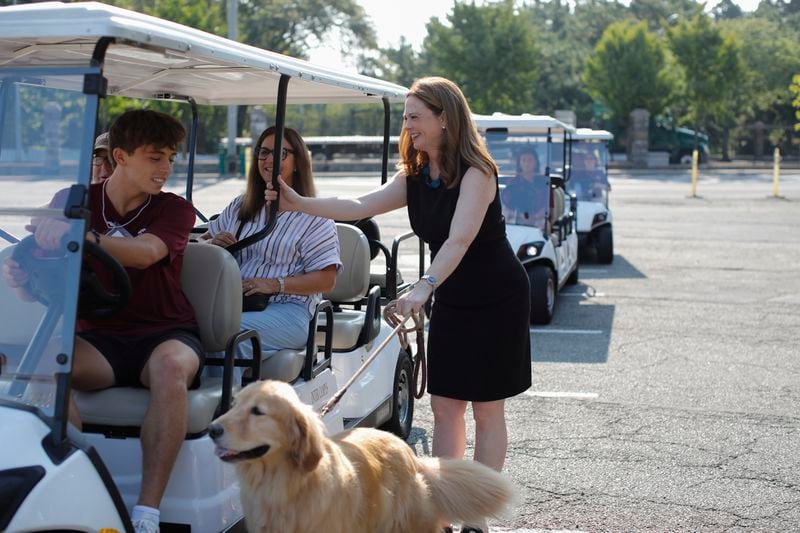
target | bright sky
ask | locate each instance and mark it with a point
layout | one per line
(392, 21)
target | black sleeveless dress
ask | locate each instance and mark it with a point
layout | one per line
(479, 338)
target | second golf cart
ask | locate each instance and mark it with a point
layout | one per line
(533, 154)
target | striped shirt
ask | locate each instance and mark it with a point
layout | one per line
(299, 244)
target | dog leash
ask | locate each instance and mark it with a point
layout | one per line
(420, 365)
(398, 322)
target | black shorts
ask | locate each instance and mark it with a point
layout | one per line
(128, 355)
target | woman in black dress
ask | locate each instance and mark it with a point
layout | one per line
(478, 341)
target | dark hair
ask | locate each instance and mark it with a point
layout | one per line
(302, 180)
(461, 142)
(144, 127)
(529, 150)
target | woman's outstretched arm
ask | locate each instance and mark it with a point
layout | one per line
(388, 197)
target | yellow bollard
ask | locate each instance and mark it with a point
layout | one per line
(248, 153)
(776, 171)
(695, 157)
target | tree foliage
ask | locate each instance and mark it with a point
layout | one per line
(795, 89)
(530, 56)
(489, 52)
(627, 70)
(711, 65)
(292, 27)
(771, 52)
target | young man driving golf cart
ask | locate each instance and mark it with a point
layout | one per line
(153, 341)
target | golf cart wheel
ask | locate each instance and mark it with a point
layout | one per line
(543, 294)
(402, 398)
(604, 243)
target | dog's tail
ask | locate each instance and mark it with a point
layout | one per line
(466, 491)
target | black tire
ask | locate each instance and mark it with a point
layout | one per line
(604, 244)
(402, 398)
(573, 277)
(543, 294)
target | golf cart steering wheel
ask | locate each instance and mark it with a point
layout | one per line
(46, 278)
(95, 300)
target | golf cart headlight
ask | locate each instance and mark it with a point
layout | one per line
(598, 218)
(531, 249)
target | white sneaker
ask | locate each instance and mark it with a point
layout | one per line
(145, 526)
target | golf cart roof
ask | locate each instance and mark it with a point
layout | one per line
(152, 56)
(524, 123)
(588, 134)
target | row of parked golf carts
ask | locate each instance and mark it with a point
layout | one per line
(554, 190)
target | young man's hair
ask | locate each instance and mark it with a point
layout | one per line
(145, 127)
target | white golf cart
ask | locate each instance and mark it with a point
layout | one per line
(589, 184)
(57, 61)
(540, 216)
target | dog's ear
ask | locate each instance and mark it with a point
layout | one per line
(307, 449)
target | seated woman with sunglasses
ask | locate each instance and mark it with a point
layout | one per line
(295, 263)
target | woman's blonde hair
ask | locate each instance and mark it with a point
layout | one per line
(461, 143)
(302, 179)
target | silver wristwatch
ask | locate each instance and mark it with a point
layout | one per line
(430, 280)
(281, 285)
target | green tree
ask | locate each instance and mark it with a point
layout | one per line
(292, 27)
(628, 70)
(401, 65)
(565, 38)
(655, 12)
(490, 52)
(771, 51)
(207, 16)
(712, 69)
(794, 88)
(726, 10)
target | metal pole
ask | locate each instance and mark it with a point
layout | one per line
(231, 159)
(695, 157)
(776, 171)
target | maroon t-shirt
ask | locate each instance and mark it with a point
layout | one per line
(157, 301)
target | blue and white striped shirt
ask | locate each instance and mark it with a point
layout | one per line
(299, 244)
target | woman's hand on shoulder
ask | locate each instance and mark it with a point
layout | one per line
(289, 200)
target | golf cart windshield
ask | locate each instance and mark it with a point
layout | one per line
(589, 181)
(524, 184)
(44, 151)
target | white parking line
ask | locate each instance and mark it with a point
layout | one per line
(560, 394)
(569, 331)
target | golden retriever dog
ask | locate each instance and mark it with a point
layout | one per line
(294, 479)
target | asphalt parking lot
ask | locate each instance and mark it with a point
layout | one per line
(667, 389)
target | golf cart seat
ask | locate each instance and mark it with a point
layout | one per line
(369, 226)
(212, 281)
(558, 205)
(351, 328)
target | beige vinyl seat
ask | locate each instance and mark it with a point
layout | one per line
(344, 328)
(212, 281)
(380, 275)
